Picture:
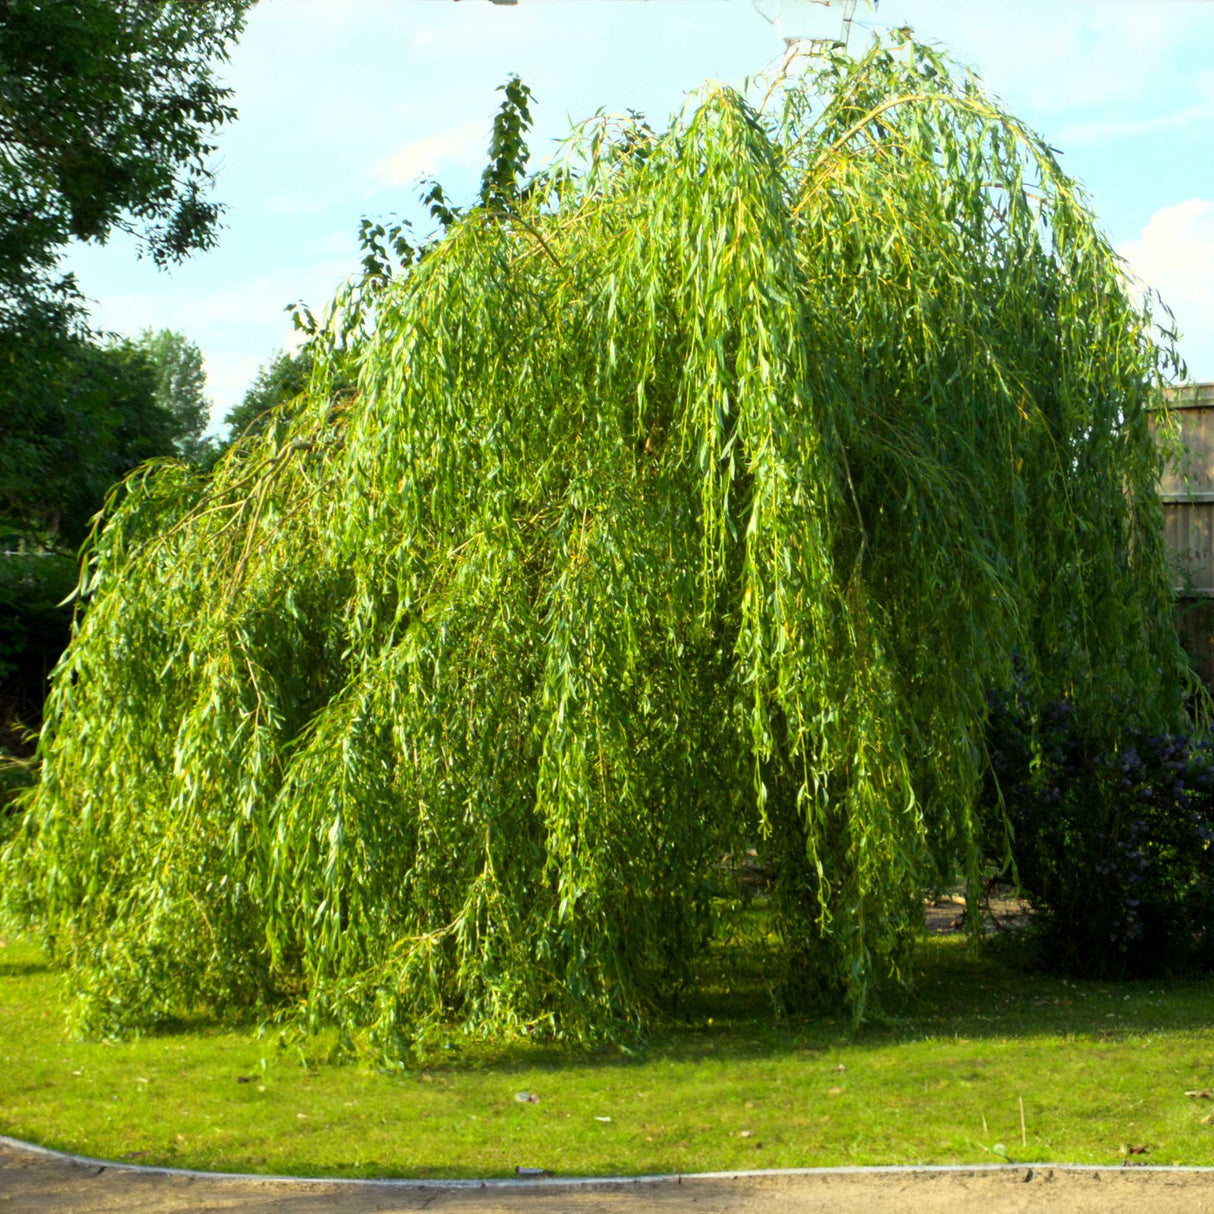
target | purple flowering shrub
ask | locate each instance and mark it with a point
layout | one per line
(1113, 845)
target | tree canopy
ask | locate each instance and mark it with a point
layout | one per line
(108, 112)
(94, 416)
(691, 501)
(95, 412)
(180, 384)
(108, 109)
(284, 378)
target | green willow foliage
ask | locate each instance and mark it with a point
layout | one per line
(693, 501)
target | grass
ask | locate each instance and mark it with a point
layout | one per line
(1100, 1069)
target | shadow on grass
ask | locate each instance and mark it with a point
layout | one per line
(955, 995)
(23, 969)
(732, 1016)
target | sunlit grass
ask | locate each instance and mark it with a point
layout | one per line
(1100, 1068)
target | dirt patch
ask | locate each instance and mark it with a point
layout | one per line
(1002, 911)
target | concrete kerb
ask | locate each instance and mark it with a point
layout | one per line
(517, 1183)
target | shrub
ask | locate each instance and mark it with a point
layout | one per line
(35, 627)
(1113, 842)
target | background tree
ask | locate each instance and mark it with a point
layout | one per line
(180, 384)
(95, 416)
(108, 115)
(90, 417)
(282, 379)
(108, 110)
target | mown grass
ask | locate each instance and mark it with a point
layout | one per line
(1100, 1068)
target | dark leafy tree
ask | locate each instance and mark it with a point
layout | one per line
(89, 417)
(277, 382)
(108, 111)
(93, 417)
(108, 115)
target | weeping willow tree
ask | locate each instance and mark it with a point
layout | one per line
(691, 497)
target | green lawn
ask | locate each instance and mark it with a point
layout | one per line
(1099, 1068)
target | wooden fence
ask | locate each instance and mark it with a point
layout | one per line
(1187, 490)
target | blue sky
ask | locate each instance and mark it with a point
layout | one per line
(343, 103)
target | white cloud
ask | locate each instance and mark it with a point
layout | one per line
(1175, 256)
(460, 146)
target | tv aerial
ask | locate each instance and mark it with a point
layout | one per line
(810, 26)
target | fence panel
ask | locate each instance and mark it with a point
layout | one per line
(1187, 490)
